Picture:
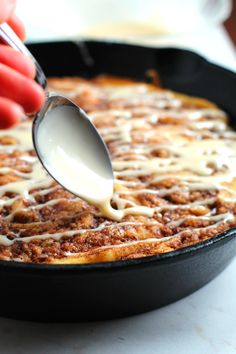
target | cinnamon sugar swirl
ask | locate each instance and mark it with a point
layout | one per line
(174, 162)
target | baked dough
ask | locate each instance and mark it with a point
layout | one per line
(172, 153)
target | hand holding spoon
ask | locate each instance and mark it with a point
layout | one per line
(66, 142)
(70, 147)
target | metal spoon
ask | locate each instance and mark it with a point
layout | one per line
(66, 142)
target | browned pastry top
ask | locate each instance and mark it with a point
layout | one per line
(171, 153)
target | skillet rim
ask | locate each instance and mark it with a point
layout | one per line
(162, 258)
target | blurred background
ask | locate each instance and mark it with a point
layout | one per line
(192, 24)
(124, 18)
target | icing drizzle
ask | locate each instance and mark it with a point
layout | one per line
(152, 138)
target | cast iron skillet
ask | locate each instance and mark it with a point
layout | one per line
(109, 290)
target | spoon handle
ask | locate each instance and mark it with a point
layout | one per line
(9, 37)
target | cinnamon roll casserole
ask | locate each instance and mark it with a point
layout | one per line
(173, 154)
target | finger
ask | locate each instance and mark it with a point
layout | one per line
(17, 61)
(10, 113)
(17, 26)
(6, 9)
(21, 89)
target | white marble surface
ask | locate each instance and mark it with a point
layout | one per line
(202, 323)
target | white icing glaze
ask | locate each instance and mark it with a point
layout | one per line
(195, 162)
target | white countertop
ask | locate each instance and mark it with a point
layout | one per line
(202, 323)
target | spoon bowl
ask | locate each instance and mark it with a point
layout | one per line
(65, 140)
(71, 149)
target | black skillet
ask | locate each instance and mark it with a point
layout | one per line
(109, 290)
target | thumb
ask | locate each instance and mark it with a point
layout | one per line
(6, 9)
